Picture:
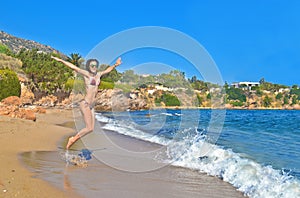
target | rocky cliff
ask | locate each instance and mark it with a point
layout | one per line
(16, 44)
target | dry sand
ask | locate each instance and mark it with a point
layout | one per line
(18, 136)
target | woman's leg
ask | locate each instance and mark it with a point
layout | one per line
(89, 124)
(93, 118)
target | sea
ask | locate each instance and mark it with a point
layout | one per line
(256, 151)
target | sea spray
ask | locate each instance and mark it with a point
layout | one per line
(190, 149)
(74, 159)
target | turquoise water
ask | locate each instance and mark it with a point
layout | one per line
(257, 151)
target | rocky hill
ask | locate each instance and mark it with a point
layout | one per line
(16, 44)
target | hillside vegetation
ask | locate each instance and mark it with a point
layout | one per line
(46, 76)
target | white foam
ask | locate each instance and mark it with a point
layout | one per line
(253, 179)
(249, 177)
(101, 118)
(167, 114)
(178, 114)
(129, 130)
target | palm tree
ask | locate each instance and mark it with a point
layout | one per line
(75, 59)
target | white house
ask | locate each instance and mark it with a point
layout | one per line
(245, 85)
(284, 90)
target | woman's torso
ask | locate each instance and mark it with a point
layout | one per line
(91, 84)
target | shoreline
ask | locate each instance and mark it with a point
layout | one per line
(208, 108)
(48, 132)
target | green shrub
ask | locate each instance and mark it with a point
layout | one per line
(236, 94)
(286, 100)
(267, 101)
(295, 91)
(106, 85)
(208, 96)
(294, 99)
(279, 96)
(75, 85)
(236, 103)
(125, 87)
(9, 84)
(168, 99)
(199, 100)
(5, 50)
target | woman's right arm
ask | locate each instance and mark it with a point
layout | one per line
(70, 65)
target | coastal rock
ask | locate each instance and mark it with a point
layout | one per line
(117, 100)
(111, 100)
(24, 114)
(10, 107)
(228, 106)
(12, 101)
(49, 101)
(39, 110)
(6, 110)
(296, 107)
(27, 95)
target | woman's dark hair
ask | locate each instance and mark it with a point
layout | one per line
(88, 62)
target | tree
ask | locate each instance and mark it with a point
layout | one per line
(279, 96)
(236, 94)
(129, 77)
(75, 59)
(168, 99)
(47, 74)
(113, 76)
(193, 79)
(226, 86)
(294, 100)
(286, 100)
(267, 101)
(262, 81)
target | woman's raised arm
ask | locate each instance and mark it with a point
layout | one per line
(109, 69)
(70, 65)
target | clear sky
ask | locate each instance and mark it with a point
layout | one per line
(248, 39)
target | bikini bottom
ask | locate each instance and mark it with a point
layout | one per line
(91, 106)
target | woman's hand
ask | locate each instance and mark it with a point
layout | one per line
(118, 62)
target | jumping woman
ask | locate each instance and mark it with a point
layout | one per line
(92, 80)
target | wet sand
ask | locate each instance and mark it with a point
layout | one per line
(122, 169)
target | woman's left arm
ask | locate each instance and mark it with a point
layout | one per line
(109, 69)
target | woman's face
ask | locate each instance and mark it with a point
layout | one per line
(93, 66)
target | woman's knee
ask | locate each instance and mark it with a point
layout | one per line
(90, 129)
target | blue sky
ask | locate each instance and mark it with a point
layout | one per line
(248, 40)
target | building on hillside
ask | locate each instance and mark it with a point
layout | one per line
(245, 85)
(284, 90)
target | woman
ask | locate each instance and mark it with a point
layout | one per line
(92, 81)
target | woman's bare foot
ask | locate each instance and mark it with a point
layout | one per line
(71, 141)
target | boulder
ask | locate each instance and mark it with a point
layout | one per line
(24, 114)
(27, 95)
(12, 101)
(49, 101)
(10, 106)
(39, 110)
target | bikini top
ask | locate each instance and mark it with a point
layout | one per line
(93, 81)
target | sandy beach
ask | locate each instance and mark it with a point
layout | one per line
(22, 136)
(17, 136)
